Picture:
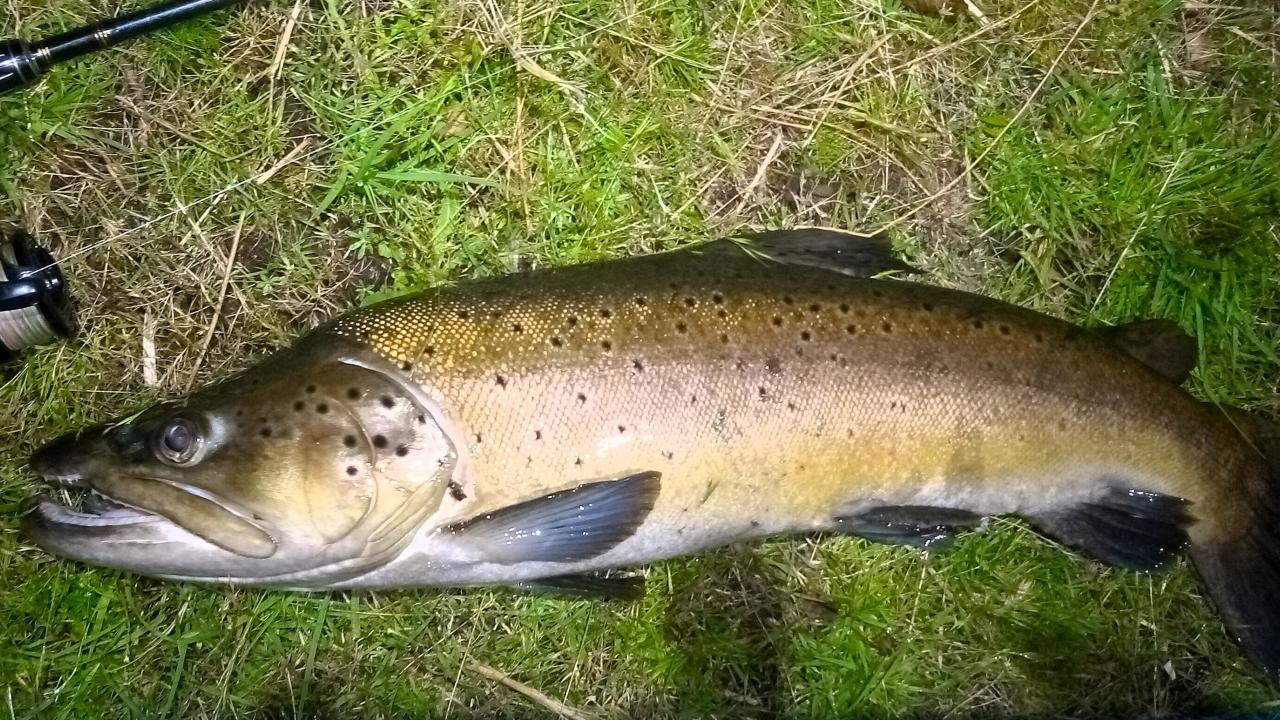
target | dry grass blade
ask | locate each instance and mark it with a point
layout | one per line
(217, 307)
(537, 696)
(968, 169)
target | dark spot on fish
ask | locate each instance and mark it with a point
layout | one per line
(1004, 329)
(886, 327)
(463, 314)
(805, 335)
(265, 432)
(582, 399)
(977, 324)
(755, 523)
(773, 366)
(763, 392)
(851, 329)
(517, 327)
(573, 320)
(637, 365)
(791, 406)
(500, 381)
(693, 399)
(690, 302)
(349, 441)
(606, 346)
(537, 434)
(495, 314)
(722, 314)
(455, 491)
(877, 294)
(1039, 338)
(239, 413)
(642, 301)
(682, 328)
(380, 441)
(387, 401)
(777, 321)
(478, 438)
(556, 342)
(788, 299)
(717, 298)
(351, 470)
(724, 339)
(311, 388)
(815, 307)
(622, 428)
(353, 394)
(298, 406)
(605, 313)
(429, 351)
(577, 461)
(991, 365)
(844, 308)
(927, 307)
(322, 408)
(668, 454)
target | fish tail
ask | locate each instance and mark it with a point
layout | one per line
(1238, 557)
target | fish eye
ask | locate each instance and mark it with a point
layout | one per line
(178, 441)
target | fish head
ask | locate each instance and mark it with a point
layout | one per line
(312, 468)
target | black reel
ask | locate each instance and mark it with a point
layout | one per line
(35, 307)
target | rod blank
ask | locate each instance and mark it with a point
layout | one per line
(22, 63)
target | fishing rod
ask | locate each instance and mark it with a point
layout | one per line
(22, 63)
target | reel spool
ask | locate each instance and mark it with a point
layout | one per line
(35, 307)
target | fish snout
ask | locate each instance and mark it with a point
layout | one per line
(60, 461)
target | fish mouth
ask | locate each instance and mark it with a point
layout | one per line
(125, 503)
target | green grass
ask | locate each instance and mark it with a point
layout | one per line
(1144, 180)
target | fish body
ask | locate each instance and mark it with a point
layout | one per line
(523, 429)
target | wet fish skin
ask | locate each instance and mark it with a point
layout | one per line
(718, 393)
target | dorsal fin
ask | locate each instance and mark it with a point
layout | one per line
(1159, 344)
(843, 252)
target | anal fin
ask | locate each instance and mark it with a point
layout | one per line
(1127, 528)
(576, 524)
(921, 526)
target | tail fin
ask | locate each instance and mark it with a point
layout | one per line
(1242, 574)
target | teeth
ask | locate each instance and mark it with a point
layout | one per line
(96, 503)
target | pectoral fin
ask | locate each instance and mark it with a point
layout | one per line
(565, 526)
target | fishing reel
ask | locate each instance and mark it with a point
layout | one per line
(35, 307)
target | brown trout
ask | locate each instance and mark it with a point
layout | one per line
(537, 429)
